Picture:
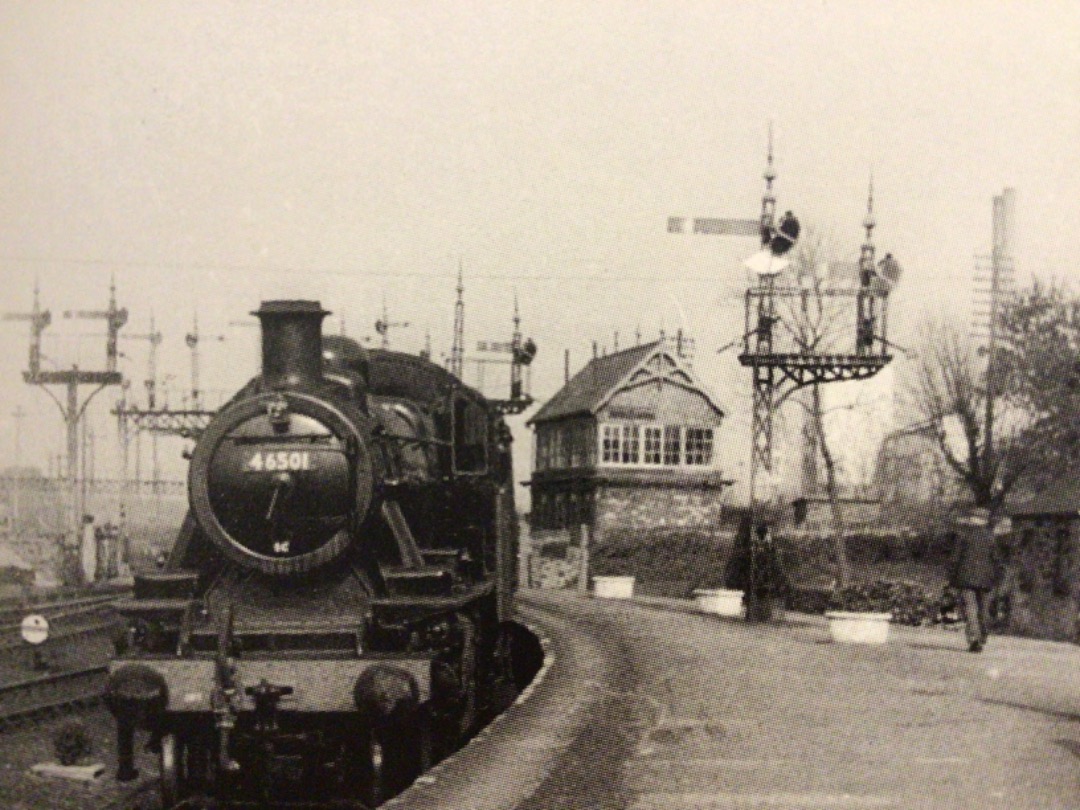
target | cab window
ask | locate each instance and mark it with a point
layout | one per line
(470, 437)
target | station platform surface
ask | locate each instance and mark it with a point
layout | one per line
(777, 715)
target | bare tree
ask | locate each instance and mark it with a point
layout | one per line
(957, 391)
(818, 322)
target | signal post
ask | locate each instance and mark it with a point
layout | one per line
(71, 410)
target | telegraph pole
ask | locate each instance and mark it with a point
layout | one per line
(1000, 285)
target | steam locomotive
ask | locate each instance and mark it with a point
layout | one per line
(335, 614)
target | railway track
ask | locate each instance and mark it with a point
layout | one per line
(70, 622)
(45, 696)
(12, 615)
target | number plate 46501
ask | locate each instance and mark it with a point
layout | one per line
(278, 460)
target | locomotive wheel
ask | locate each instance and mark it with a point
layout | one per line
(171, 755)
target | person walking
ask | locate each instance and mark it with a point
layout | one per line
(975, 569)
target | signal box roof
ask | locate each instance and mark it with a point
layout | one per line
(592, 387)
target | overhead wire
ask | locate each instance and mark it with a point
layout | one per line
(610, 276)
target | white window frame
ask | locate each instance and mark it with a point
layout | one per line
(655, 445)
(672, 459)
(631, 445)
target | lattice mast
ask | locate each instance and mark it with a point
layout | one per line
(457, 350)
(763, 375)
(809, 364)
(516, 368)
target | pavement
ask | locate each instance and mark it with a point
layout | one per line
(733, 715)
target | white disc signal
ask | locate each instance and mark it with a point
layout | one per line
(35, 629)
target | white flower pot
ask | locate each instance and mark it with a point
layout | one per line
(720, 601)
(858, 628)
(613, 587)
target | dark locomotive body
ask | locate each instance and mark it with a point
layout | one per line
(335, 613)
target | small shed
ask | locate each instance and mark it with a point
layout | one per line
(628, 444)
(1043, 586)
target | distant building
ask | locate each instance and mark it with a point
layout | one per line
(627, 444)
(911, 468)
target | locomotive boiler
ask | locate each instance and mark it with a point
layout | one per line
(336, 611)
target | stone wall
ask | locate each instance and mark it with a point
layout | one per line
(623, 509)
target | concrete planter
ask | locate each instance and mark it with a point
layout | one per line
(613, 587)
(720, 601)
(858, 628)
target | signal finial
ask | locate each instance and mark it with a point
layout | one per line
(768, 200)
(870, 222)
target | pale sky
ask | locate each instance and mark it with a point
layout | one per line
(209, 155)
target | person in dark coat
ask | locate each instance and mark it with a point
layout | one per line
(975, 569)
(754, 568)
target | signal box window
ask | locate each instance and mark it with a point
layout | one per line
(672, 445)
(699, 443)
(653, 444)
(611, 453)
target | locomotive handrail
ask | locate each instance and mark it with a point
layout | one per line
(398, 437)
(292, 438)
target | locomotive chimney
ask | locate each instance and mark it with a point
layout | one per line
(291, 342)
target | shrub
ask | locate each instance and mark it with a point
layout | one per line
(695, 558)
(909, 603)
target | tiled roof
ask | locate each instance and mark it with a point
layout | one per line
(588, 387)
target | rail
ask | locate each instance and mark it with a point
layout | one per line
(50, 695)
(76, 612)
(11, 615)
